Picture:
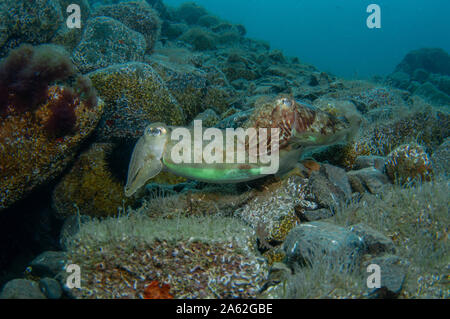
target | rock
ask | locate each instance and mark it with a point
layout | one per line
(393, 273)
(49, 263)
(190, 13)
(311, 242)
(364, 161)
(161, 8)
(173, 30)
(90, 188)
(367, 179)
(413, 86)
(135, 96)
(192, 87)
(431, 93)
(35, 157)
(338, 177)
(440, 158)
(201, 39)
(235, 120)
(136, 15)
(420, 75)
(375, 242)
(429, 59)
(273, 211)
(377, 97)
(407, 163)
(400, 80)
(325, 192)
(312, 215)
(209, 118)
(107, 41)
(21, 289)
(69, 38)
(442, 82)
(50, 288)
(208, 21)
(23, 21)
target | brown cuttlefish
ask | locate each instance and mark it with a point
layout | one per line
(290, 128)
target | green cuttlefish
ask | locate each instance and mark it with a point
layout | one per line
(272, 141)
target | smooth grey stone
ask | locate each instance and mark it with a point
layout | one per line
(316, 241)
(393, 271)
(50, 288)
(48, 264)
(374, 241)
(21, 289)
(369, 179)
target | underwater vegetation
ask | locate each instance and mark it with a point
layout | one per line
(363, 173)
(197, 257)
(42, 124)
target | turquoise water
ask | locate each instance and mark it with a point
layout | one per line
(333, 35)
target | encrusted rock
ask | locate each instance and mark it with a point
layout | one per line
(29, 157)
(23, 21)
(66, 37)
(136, 15)
(407, 163)
(107, 41)
(90, 188)
(135, 96)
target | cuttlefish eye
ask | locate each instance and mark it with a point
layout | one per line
(155, 131)
(286, 102)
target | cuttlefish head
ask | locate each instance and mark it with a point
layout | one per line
(145, 162)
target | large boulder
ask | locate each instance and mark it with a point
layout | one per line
(23, 21)
(136, 15)
(21, 289)
(135, 96)
(107, 41)
(433, 60)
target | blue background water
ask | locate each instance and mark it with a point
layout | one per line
(332, 34)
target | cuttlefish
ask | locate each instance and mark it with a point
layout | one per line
(292, 129)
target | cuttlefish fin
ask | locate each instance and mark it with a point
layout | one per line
(145, 162)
